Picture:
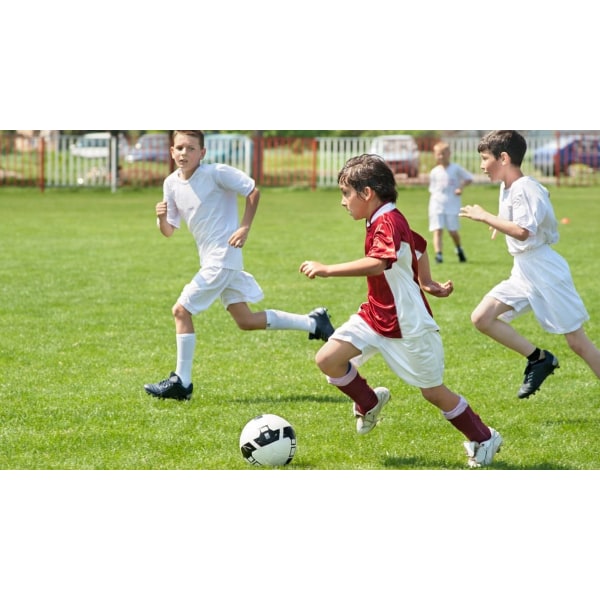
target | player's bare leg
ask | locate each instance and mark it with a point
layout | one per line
(485, 318)
(540, 363)
(438, 245)
(582, 346)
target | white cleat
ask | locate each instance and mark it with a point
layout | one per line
(482, 455)
(365, 424)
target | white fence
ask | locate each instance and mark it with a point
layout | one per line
(89, 161)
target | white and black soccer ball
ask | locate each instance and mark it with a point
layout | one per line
(268, 440)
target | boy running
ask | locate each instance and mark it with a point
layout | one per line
(396, 320)
(541, 280)
(206, 198)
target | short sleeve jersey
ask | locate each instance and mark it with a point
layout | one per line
(395, 306)
(443, 182)
(527, 203)
(208, 204)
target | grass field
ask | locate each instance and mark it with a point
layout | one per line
(87, 284)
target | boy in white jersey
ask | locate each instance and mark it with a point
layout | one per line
(206, 198)
(541, 280)
(447, 181)
(396, 320)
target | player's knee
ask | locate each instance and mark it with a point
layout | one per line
(480, 320)
(323, 361)
(180, 313)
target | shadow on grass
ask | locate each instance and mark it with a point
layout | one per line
(292, 399)
(412, 462)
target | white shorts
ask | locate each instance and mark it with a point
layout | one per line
(450, 222)
(213, 283)
(541, 282)
(419, 361)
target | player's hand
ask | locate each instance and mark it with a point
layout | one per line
(239, 238)
(161, 209)
(474, 212)
(438, 290)
(313, 269)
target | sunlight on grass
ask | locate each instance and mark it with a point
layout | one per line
(87, 285)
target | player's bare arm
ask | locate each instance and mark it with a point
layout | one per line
(240, 237)
(364, 267)
(495, 223)
(161, 212)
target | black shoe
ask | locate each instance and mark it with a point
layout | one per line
(461, 255)
(170, 388)
(439, 258)
(536, 373)
(324, 328)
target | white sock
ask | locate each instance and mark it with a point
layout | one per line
(186, 345)
(277, 319)
(457, 411)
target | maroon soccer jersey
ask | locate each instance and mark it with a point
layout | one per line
(396, 306)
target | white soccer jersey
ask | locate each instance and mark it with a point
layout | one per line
(208, 204)
(540, 280)
(527, 203)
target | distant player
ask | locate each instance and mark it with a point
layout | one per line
(206, 198)
(395, 321)
(541, 280)
(447, 181)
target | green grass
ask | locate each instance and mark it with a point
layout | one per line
(86, 288)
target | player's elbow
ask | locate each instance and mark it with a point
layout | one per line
(522, 234)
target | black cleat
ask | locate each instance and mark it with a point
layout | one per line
(536, 373)
(439, 258)
(170, 388)
(461, 255)
(324, 328)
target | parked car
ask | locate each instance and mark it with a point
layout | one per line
(558, 156)
(400, 152)
(97, 145)
(229, 148)
(153, 147)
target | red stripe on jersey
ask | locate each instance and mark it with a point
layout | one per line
(389, 237)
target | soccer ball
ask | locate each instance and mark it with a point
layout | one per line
(268, 440)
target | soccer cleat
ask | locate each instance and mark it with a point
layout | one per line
(170, 388)
(461, 255)
(366, 423)
(536, 373)
(482, 454)
(439, 258)
(324, 328)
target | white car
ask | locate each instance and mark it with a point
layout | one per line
(400, 152)
(97, 145)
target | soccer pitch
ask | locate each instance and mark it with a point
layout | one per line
(86, 288)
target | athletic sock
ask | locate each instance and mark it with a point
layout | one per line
(279, 320)
(468, 422)
(357, 389)
(535, 356)
(186, 345)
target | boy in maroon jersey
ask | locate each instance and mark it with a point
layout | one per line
(396, 320)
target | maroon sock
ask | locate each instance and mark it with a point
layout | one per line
(471, 426)
(359, 391)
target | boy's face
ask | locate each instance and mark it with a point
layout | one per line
(493, 167)
(186, 152)
(356, 204)
(442, 157)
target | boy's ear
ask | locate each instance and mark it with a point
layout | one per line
(505, 158)
(367, 193)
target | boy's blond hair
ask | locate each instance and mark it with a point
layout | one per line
(441, 146)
